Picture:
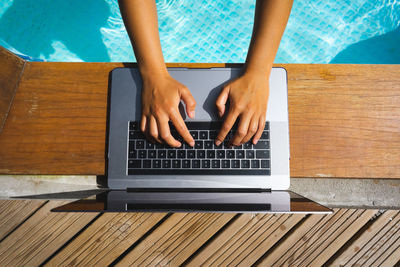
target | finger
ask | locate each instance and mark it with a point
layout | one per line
(261, 126)
(189, 101)
(221, 100)
(253, 127)
(143, 123)
(242, 129)
(226, 126)
(153, 130)
(181, 128)
(165, 133)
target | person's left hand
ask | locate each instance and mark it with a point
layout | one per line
(248, 99)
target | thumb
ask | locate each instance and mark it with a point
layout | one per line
(189, 101)
(221, 100)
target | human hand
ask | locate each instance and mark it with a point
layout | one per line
(248, 99)
(160, 99)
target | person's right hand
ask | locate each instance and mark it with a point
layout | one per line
(160, 100)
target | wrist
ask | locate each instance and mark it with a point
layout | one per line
(153, 72)
(261, 73)
(254, 66)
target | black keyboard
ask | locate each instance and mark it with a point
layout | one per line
(205, 158)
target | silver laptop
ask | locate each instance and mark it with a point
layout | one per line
(143, 176)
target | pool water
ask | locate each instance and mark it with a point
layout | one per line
(319, 31)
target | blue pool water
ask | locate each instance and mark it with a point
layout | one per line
(319, 31)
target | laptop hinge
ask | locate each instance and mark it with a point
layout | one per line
(200, 190)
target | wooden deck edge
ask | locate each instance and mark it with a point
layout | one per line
(11, 70)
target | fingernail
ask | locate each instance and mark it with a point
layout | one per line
(191, 143)
(255, 141)
(217, 142)
(191, 114)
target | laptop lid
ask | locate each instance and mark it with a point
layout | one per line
(205, 86)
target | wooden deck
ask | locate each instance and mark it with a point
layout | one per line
(31, 235)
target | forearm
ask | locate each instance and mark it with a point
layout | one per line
(270, 20)
(140, 18)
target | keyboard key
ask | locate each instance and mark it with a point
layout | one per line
(211, 154)
(132, 145)
(187, 146)
(201, 154)
(195, 163)
(134, 163)
(230, 154)
(215, 163)
(132, 154)
(226, 164)
(227, 144)
(171, 154)
(205, 163)
(208, 144)
(198, 144)
(265, 164)
(166, 163)
(176, 163)
(203, 135)
(147, 163)
(212, 135)
(235, 163)
(149, 145)
(265, 135)
(191, 154)
(248, 145)
(136, 135)
(237, 147)
(181, 154)
(249, 154)
(194, 134)
(139, 144)
(151, 154)
(142, 154)
(262, 145)
(133, 125)
(159, 146)
(221, 154)
(156, 163)
(245, 164)
(262, 154)
(162, 154)
(240, 154)
(186, 163)
(255, 164)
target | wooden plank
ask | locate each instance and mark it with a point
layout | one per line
(305, 236)
(393, 259)
(316, 239)
(386, 241)
(365, 240)
(245, 240)
(281, 249)
(340, 125)
(14, 212)
(106, 239)
(176, 239)
(11, 69)
(41, 235)
(380, 258)
(334, 242)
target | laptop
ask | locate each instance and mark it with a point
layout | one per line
(148, 177)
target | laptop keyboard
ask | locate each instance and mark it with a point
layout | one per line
(205, 158)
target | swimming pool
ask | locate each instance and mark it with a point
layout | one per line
(365, 31)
